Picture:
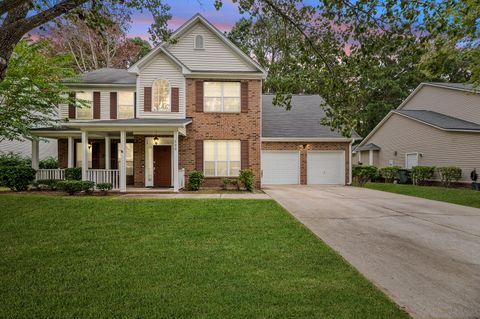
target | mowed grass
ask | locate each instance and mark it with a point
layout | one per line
(112, 257)
(459, 196)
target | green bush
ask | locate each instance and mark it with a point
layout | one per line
(246, 177)
(88, 187)
(364, 173)
(70, 186)
(14, 159)
(389, 173)
(48, 163)
(104, 187)
(17, 178)
(449, 174)
(50, 184)
(73, 173)
(420, 174)
(195, 180)
(230, 181)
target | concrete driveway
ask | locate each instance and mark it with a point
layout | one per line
(424, 254)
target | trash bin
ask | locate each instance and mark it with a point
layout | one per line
(404, 176)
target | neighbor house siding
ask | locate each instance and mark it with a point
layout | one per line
(439, 148)
(47, 148)
(460, 104)
(216, 56)
(159, 68)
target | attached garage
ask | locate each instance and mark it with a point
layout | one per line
(280, 167)
(325, 168)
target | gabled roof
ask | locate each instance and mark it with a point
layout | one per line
(367, 147)
(439, 120)
(182, 30)
(302, 121)
(104, 76)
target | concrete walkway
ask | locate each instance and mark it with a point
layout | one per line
(424, 254)
(200, 196)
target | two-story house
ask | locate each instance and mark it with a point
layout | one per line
(194, 103)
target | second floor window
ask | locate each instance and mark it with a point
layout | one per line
(222, 97)
(86, 111)
(161, 96)
(126, 105)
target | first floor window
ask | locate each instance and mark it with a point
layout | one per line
(126, 105)
(222, 97)
(86, 111)
(78, 151)
(129, 156)
(221, 158)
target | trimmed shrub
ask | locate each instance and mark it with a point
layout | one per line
(364, 173)
(449, 174)
(73, 173)
(48, 163)
(70, 186)
(230, 181)
(195, 180)
(104, 187)
(14, 159)
(389, 173)
(246, 177)
(88, 187)
(50, 184)
(17, 178)
(420, 174)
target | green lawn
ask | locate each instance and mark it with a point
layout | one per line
(112, 257)
(459, 196)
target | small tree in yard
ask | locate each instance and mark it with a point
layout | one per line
(246, 177)
(364, 173)
(449, 174)
(195, 180)
(420, 174)
(389, 173)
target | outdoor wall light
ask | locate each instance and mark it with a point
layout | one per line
(156, 140)
(395, 153)
(89, 146)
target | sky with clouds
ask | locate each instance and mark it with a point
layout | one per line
(182, 10)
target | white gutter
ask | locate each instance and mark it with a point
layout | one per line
(350, 163)
(306, 139)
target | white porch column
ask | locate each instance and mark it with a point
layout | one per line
(370, 157)
(35, 153)
(123, 161)
(84, 155)
(70, 152)
(175, 161)
(107, 152)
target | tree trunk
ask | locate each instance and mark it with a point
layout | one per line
(7, 44)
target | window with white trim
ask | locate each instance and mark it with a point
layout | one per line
(85, 112)
(221, 97)
(126, 104)
(221, 157)
(199, 44)
(161, 96)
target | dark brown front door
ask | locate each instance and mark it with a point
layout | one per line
(162, 164)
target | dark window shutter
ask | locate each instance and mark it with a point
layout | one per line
(244, 96)
(199, 96)
(147, 99)
(96, 105)
(71, 106)
(175, 100)
(113, 105)
(199, 155)
(244, 154)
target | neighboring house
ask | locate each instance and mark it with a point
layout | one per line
(48, 148)
(192, 104)
(437, 125)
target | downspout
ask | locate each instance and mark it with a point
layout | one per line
(350, 163)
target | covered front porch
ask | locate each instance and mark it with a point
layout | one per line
(133, 156)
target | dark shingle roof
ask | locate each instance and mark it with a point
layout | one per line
(367, 147)
(440, 120)
(105, 76)
(303, 120)
(461, 86)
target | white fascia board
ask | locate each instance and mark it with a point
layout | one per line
(98, 85)
(225, 75)
(306, 139)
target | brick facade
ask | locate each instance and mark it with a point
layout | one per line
(317, 146)
(223, 126)
(139, 161)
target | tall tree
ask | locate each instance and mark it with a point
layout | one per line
(18, 17)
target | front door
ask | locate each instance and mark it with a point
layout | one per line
(162, 166)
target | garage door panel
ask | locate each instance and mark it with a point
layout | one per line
(280, 167)
(325, 168)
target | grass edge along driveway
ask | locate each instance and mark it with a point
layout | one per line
(114, 257)
(460, 196)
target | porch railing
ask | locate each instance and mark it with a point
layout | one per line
(55, 173)
(181, 178)
(104, 176)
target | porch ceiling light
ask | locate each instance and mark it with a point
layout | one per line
(156, 140)
(89, 146)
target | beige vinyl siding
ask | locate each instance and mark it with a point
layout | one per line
(161, 67)
(216, 55)
(46, 148)
(439, 148)
(461, 104)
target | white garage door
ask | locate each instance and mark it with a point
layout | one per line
(280, 167)
(325, 168)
